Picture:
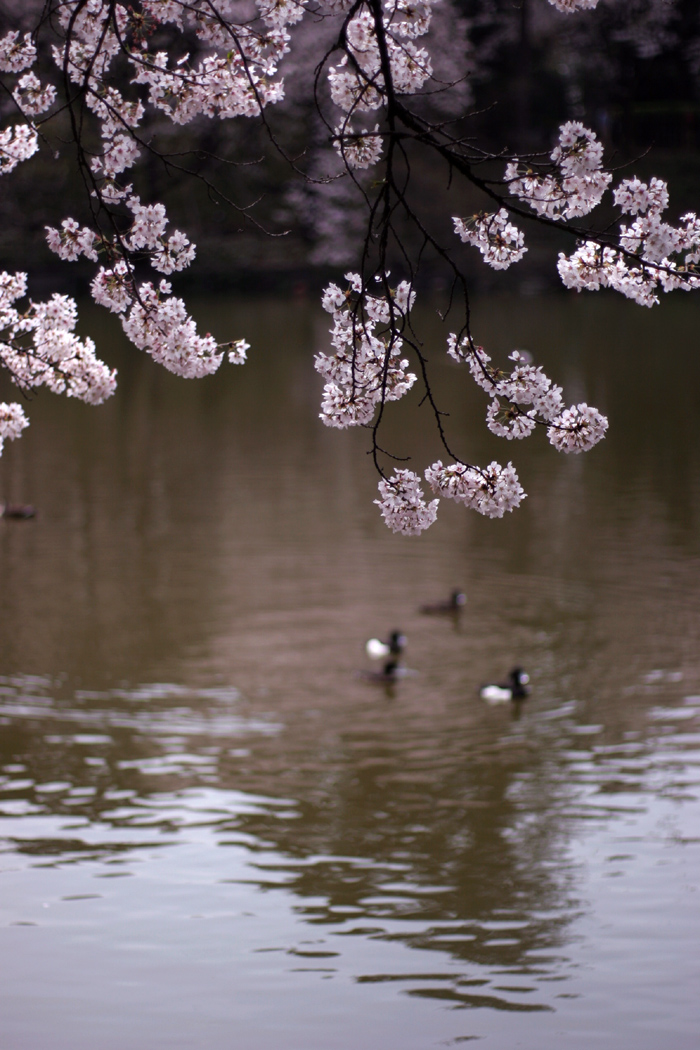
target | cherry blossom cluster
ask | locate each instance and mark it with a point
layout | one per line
(114, 288)
(652, 254)
(573, 185)
(367, 366)
(577, 429)
(32, 97)
(12, 422)
(634, 197)
(403, 504)
(17, 143)
(648, 255)
(20, 142)
(158, 323)
(357, 83)
(16, 53)
(491, 490)
(72, 241)
(358, 149)
(38, 347)
(145, 236)
(574, 429)
(500, 243)
(235, 77)
(495, 489)
(569, 6)
(235, 85)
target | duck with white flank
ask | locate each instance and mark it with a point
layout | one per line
(389, 651)
(393, 646)
(454, 605)
(503, 692)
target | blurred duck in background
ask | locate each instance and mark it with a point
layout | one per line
(389, 651)
(452, 607)
(515, 688)
(393, 646)
(20, 511)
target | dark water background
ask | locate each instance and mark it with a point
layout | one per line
(214, 834)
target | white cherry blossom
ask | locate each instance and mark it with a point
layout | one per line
(158, 323)
(359, 149)
(577, 429)
(148, 226)
(12, 421)
(17, 143)
(32, 97)
(236, 351)
(500, 243)
(635, 197)
(569, 6)
(113, 288)
(491, 491)
(16, 53)
(508, 422)
(367, 366)
(575, 184)
(403, 505)
(175, 254)
(72, 241)
(38, 347)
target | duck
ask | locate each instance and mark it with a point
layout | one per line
(502, 692)
(454, 604)
(393, 646)
(21, 511)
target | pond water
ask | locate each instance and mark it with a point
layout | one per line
(215, 833)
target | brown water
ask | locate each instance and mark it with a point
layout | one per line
(215, 834)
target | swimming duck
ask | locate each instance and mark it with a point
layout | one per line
(502, 692)
(393, 646)
(17, 510)
(454, 604)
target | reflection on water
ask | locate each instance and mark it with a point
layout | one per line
(211, 824)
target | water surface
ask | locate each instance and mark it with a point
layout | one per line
(215, 833)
